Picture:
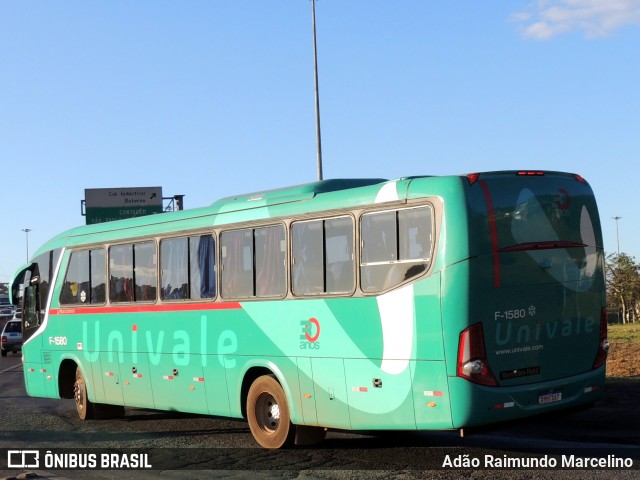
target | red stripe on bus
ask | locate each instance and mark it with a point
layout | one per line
(172, 307)
(494, 233)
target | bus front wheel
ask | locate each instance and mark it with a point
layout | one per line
(268, 413)
(84, 406)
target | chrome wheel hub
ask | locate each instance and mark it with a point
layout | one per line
(268, 413)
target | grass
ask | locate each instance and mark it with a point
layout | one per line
(624, 350)
(624, 333)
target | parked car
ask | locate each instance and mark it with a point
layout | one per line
(11, 337)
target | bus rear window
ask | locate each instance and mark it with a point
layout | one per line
(534, 209)
(551, 218)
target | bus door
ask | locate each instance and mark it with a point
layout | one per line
(36, 281)
(34, 373)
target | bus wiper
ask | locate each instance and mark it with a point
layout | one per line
(551, 244)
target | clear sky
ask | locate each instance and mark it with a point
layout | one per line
(215, 97)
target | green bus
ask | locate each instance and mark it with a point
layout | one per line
(419, 303)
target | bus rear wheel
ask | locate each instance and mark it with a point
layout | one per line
(268, 413)
(84, 406)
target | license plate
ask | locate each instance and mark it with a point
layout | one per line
(550, 398)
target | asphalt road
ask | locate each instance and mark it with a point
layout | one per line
(193, 446)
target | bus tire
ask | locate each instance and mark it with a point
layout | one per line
(84, 406)
(268, 413)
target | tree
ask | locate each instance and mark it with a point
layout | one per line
(623, 286)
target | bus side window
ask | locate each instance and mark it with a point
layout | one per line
(271, 276)
(98, 276)
(415, 235)
(379, 249)
(308, 252)
(144, 271)
(253, 262)
(84, 281)
(237, 263)
(37, 281)
(396, 247)
(339, 261)
(42, 268)
(202, 251)
(188, 268)
(121, 273)
(322, 252)
(174, 270)
(76, 279)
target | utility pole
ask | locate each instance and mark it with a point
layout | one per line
(617, 233)
(26, 233)
(317, 93)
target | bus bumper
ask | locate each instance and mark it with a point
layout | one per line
(475, 405)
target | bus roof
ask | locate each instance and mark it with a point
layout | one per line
(290, 194)
(326, 194)
(238, 203)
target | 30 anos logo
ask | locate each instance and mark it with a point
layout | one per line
(310, 334)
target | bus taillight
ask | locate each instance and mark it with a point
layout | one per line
(472, 358)
(603, 343)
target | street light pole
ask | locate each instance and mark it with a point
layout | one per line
(617, 233)
(317, 92)
(26, 233)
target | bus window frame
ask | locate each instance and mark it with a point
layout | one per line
(63, 275)
(132, 243)
(354, 260)
(430, 260)
(222, 254)
(188, 236)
